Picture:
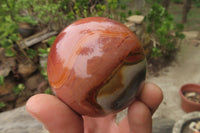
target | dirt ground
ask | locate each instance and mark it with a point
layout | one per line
(184, 69)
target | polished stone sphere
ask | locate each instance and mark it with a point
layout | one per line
(96, 66)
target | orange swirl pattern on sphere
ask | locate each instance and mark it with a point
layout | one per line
(96, 66)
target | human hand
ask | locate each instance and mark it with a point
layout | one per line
(57, 117)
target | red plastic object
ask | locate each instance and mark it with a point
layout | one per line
(96, 66)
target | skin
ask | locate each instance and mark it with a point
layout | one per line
(57, 117)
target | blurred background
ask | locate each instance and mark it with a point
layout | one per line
(29, 28)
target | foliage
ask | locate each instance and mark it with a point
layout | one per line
(48, 91)
(177, 1)
(45, 12)
(57, 14)
(1, 80)
(137, 12)
(153, 1)
(163, 30)
(51, 40)
(2, 104)
(119, 8)
(43, 52)
(196, 3)
(52, 14)
(44, 73)
(9, 19)
(18, 89)
(160, 1)
(31, 53)
(8, 35)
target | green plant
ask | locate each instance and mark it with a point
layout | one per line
(53, 14)
(177, 1)
(80, 8)
(130, 12)
(48, 91)
(31, 53)
(1, 80)
(18, 89)
(43, 52)
(137, 12)
(112, 4)
(153, 1)
(51, 40)
(57, 14)
(100, 10)
(2, 104)
(10, 16)
(8, 35)
(123, 16)
(35, 12)
(118, 9)
(163, 31)
(197, 3)
(44, 73)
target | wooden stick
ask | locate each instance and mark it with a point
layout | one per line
(36, 38)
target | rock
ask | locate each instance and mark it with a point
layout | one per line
(7, 107)
(34, 81)
(26, 69)
(146, 39)
(7, 87)
(21, 100)
(194, 126)
(43, 86)
(161, 125)
(139, 31)
(131, 26)
(190, 94)
(181, 125)
(137, 19)
(9, 97)
(25, 29)
(4, 71)
(19, 121)
(43, 62)
(6, 63)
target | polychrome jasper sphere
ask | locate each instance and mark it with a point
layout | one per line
(96, 66)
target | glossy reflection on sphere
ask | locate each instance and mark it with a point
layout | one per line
(96, 66)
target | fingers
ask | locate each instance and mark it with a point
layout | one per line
(59, 118)
(140, 112)
(151, 96)
(139, 118)
(55, 115)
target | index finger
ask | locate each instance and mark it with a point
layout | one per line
(54, 114)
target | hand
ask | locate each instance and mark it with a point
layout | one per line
(59, 118)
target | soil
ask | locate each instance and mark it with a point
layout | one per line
(19, 70)
(192, 96)
(155, 65)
